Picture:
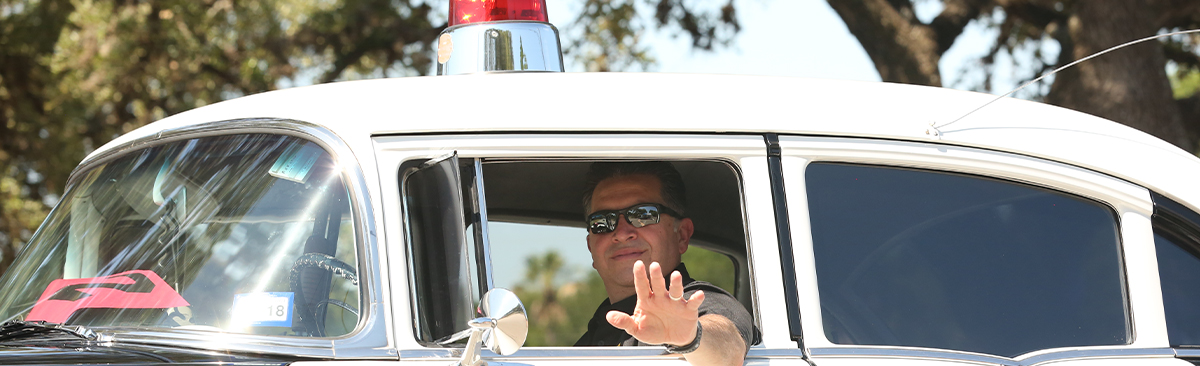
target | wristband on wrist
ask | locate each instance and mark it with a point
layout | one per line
(690, 347)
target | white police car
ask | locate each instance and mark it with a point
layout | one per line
(349, 222)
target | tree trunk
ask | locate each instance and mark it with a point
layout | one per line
(1190, 112)
(1129, 86)
(903, 50)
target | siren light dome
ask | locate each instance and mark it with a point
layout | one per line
(475, 11)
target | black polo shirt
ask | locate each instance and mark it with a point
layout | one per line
(716, 301)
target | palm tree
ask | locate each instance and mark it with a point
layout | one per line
(542, 296)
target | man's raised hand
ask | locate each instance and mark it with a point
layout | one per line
(662, 316)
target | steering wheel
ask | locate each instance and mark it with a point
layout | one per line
(308, 314)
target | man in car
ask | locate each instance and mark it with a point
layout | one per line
(637, 225)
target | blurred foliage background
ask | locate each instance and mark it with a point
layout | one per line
(74, 74)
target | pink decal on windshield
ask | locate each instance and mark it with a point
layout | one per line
(126, 290)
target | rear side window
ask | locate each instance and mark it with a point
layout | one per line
(1179, 272)
(920, 258)
(1177, 243)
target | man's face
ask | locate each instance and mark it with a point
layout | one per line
(614, 253)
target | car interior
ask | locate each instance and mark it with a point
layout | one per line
(548, 192)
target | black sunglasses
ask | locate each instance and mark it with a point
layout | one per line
(639, 215)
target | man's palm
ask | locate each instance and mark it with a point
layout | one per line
(661, 315)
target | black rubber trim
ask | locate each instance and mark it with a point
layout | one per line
(1180, 220)
(784, 230)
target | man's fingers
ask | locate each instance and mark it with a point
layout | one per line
(694, 302)
(657, 284)
(676, 289)
(620, 320)
(640, 285)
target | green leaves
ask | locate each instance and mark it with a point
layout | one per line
(75, 74)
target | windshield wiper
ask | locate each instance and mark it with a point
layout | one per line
(21, 329)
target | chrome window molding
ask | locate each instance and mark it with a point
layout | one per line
(619, 353)
(1029, 360)
(1187, 352)
(482, 231)
(545, 353)
(370, 338)
(593, 353)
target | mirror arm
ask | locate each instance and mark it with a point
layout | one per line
(496, 306)
(479, 327)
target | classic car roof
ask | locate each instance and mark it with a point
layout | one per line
(649, 102)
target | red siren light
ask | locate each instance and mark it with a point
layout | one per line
(475, 11)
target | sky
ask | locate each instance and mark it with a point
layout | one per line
(779, 37)
(806, 38)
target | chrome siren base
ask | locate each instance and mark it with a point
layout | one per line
(499, 47)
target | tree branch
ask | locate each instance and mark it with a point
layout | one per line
(701, 26)
(1128, 86)
(1173, 14)
(902, 49)
(954, 19)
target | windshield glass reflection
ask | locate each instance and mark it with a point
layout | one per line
(244, 233)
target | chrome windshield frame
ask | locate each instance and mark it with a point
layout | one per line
(371, 338)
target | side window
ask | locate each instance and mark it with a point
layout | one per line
(920, 258)
(519, 224)
(1177, 244)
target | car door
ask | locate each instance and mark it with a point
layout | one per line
(473, 212)
(913, 253)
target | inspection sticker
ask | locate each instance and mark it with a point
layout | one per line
(296, 163)
(263, 309)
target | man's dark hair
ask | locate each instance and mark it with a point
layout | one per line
(673, 193)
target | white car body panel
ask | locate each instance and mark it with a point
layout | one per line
(560, 102)
(384, 123)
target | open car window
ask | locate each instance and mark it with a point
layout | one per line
(522, 229)
(240, 233)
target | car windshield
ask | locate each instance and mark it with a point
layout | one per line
(241, 233)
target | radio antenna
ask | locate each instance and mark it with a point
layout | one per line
(934, 128)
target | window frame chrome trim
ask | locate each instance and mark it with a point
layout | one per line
(485, 243)
(541, 353)
(592, 353)
(370, 338)
(815, 354)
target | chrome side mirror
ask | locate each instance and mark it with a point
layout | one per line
(502, 327)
